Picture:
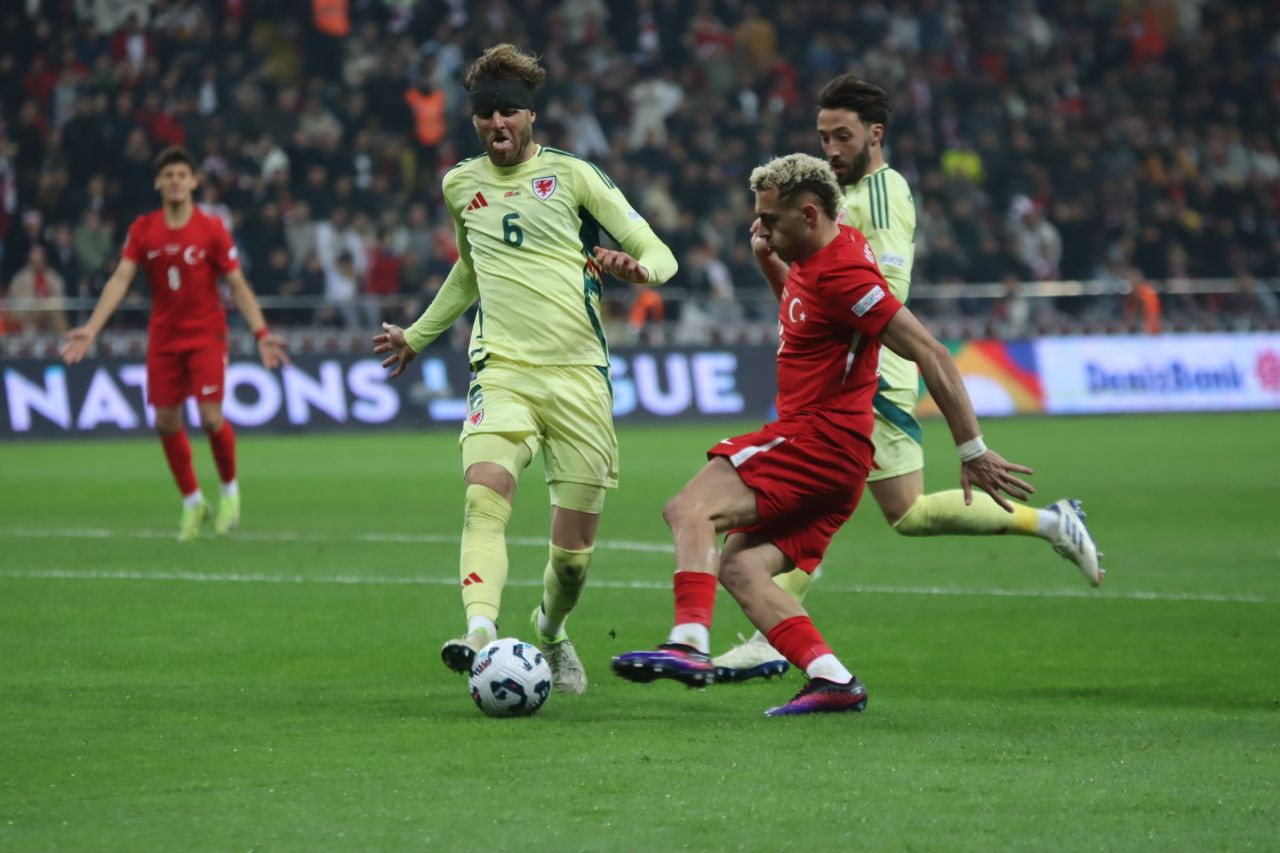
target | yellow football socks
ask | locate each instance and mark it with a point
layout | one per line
(795, 583)
(562, 583)
(483, 566)
(944, 513)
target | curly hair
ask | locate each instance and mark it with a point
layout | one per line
(800, 173)
(506, 62)
(848, 92)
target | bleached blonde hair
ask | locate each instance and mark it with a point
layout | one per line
(800, 173)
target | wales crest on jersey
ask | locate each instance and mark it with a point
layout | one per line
(543, 187)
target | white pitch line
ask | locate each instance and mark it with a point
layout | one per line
(664, 586)
(286, 536)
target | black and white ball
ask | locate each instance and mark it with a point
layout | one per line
(510, 678)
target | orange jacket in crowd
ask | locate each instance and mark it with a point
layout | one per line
(647, 308)
(1145, 300)
(330, 17)
(428, 115)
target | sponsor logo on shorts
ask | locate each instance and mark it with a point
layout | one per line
(208, 389)
(153, 254)
(866, 303)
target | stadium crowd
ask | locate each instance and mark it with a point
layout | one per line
(1087, 139)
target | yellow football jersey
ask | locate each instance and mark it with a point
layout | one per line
(881, 207)
(525, 237)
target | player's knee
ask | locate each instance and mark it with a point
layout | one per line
(914, 521)
(483, 507)
(211, 423)
(570, 566)
(680, 510)
(168, 422)
(491, 476)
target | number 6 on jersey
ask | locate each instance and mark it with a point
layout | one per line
(510, 231)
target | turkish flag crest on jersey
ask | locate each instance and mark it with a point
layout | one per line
(543, 187)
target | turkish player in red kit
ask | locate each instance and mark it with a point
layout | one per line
(187, 334)
(781, 493)
(185, 252)
(808, 467)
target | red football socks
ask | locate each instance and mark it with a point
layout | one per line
(223, 443)
(798, 641)
(695, 597)
(178, 451)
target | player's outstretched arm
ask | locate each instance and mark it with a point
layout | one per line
(772, 267)
(81, 338)
(980, 467)
(458, 293)
(270, 347)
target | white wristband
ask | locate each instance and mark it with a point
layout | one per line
(972, 449)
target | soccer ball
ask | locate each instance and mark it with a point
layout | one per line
(510, 678)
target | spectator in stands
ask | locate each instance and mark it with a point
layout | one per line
(382, 281)
(1143, 303)
(92, 241)
(646, 316)
(1038, 243)
(995, 104)
(38, 281)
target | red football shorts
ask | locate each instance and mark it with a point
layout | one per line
(172, 377)
(807, 481)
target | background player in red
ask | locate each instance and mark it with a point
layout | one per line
(184, 252)
(784, 491)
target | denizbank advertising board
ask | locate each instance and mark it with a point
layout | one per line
(1165, 373)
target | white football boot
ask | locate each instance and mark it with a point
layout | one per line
(1074, 541)
(567, 674)
(753, 658)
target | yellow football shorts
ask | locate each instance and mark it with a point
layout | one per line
(566, 411)
(896, 433)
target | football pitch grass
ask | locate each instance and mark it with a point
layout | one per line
(282, 690)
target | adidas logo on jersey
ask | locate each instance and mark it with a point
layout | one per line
(478, 202)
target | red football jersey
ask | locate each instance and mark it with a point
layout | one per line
(183, 266)
(833, 305)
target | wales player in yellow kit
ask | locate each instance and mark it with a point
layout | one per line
(528, 219)
(852, 116)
